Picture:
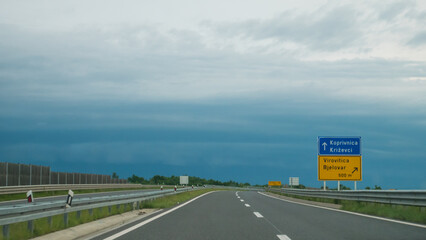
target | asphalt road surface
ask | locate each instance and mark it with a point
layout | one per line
(251, 215)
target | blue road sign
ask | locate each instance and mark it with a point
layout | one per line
(341, 146)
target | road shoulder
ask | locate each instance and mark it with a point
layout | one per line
(322, 204)
(94, 228)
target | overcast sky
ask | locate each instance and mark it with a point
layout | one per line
(217, 89)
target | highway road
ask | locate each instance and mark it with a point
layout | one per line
(251, 215)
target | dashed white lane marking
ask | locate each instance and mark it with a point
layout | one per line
(258, 214)
(238, 197)
(247, 205)
(125, 231)
(283, 237)
(242, 200)
(343, 211)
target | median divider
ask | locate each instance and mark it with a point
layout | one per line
(38, 210)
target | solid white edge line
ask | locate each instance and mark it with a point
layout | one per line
(119, 234)
(283, 237)
(258, 214)
(353, 213)
(109, 229)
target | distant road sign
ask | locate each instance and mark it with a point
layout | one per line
(274, 183)
(183, 180)
(339, 146)
(293, 181)
(339, 168)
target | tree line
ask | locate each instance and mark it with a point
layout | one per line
(174, 180)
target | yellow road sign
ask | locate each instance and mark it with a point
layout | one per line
(339, 168)
(274, 183)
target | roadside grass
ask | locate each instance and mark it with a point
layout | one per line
(22, 196)
(399, 212)
(173, 200)
(45, 225)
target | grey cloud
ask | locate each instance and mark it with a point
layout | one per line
(418, 40)
(325, 29)
(394, 10)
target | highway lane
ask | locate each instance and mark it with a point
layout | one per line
(250, 215)
(219, 215)
(76, 196)
(306, 222)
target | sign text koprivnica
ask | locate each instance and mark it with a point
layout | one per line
(339, 146)
(339, 168)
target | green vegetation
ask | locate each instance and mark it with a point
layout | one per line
(22, 196)
(375, 187)
(174, 180)
(170, 201)
(399, 212)
(42, 226)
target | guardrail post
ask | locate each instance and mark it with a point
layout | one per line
(6, 233)
(66, 219)
(109, 209)
(91, 212)
(7, 173)
(78, 215)
(19, 174)
(49, 221)
(31, 173)
(30, 227)
(41, 175)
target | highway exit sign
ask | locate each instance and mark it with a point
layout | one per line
(339, 168)
(274, 183)
(339, 146)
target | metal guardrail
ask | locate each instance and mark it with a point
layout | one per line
(36, 210)
(57, 187)
(399, 197)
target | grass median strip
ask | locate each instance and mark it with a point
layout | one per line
(47, 225)
(399, 212)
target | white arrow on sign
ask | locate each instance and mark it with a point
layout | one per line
(325, 145)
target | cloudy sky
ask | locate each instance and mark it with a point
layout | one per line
(217, 89)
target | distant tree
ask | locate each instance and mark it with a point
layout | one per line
(368, 188)
(136, 179)
(343, 187)
(114, 175)
(377, 187)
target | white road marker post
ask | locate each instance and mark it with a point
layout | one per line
(69, 198)
(355, 185)
(30, 196)
(338, 185)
